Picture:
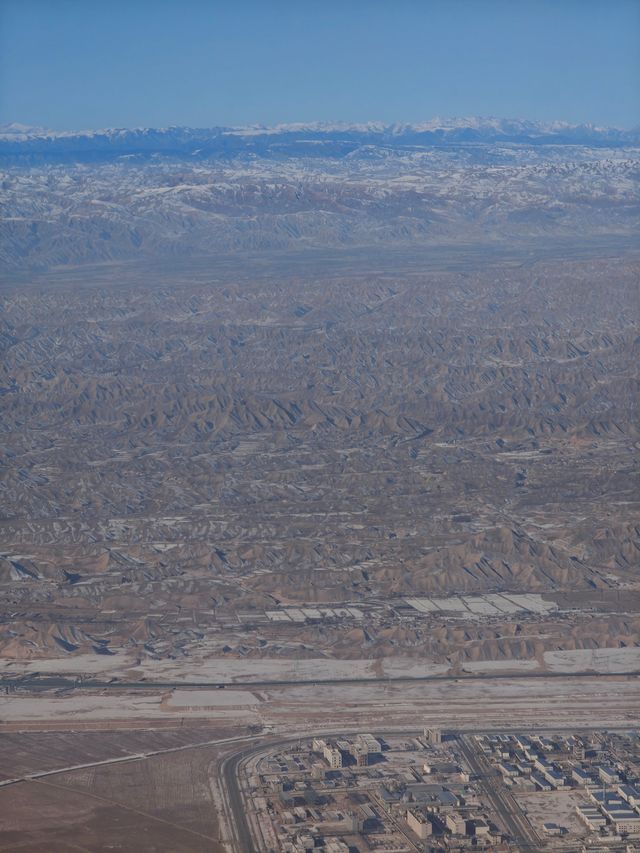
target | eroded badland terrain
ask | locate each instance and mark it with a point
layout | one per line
(192, 463)
(354, 435)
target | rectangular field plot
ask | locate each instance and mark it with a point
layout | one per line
(296, 615)
(453, 603)
(480, 606)
(424, 605)
(530, 601)
(277, 616)
(492, 604)
(301, 614)
(506, 604)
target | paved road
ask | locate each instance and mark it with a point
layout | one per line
(38, 681)
(251, 744)
(515, 822)
(505, 807)
(138, 756)
(243, 841)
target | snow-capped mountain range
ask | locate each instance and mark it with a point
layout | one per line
(313, 139)
(75, 197)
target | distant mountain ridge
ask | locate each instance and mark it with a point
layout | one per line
(72, 197)
(332, 140)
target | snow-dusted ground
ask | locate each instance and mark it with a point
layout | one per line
(317, 669)
(210, 698)
(78, 664)
(491, 666)
(553, 806)
(78, 706)
(473, 704)
(598, 660)
(229, 669)
(385, 191)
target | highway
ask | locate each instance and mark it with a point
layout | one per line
(243, 841)
(57, 682)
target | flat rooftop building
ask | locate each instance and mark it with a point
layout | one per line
(625, 822)
(367, 743)
(456, 824)
(333, 757)
(433, 736)
(608, 774)
(419, 824)
(629, 793)
(590, 816)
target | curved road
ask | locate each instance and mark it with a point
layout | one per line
(513, 820)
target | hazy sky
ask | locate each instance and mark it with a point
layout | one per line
(86, 63)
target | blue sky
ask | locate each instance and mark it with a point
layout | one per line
(88, 64)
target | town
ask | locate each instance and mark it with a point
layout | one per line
(436, 790)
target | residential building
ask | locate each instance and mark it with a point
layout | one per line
(333, 757)
(455, 823)
(419, 824)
